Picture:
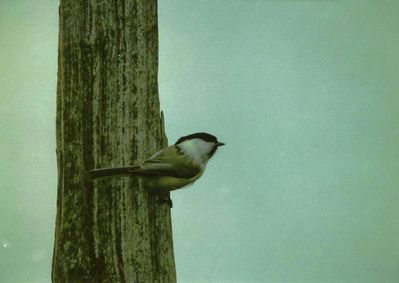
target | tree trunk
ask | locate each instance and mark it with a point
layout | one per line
(108, 115)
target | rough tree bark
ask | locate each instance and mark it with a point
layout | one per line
(108, 115)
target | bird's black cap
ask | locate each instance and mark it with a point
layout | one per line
(204, 136)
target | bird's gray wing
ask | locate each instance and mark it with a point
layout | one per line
(168, 162)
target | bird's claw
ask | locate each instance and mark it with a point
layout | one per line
(166, 200)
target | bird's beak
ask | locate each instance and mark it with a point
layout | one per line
(220, 144)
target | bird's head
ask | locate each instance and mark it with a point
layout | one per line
(199, 145)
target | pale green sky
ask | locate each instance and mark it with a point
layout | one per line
(305, 95)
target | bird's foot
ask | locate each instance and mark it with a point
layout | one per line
(166, 200)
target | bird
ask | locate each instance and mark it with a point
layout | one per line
(174, 167)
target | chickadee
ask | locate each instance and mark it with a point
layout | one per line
(171, 168)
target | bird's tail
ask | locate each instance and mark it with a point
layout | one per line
(107, 172)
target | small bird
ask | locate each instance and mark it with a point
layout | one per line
(172, 168)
